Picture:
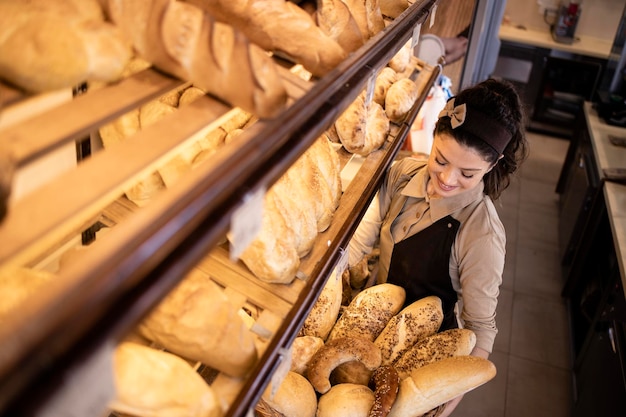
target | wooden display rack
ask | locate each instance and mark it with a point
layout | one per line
(98, 301)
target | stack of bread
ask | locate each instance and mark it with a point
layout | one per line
(378, 359)
(363, 127)
(220, 45)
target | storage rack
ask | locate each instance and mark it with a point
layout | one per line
(67, 331)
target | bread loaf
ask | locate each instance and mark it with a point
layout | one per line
(358, 11)
(294, 397)
(52, 45)
(197, 321)
(346, 400)
(182, 40)
(375, 20)
(393, 8)
(339, 351)
(369, 312)
(400, 98)
(417, 320)
(325, 311)
(440, 382)
(385, 78)
(17, 285)
(452, 342)
(282, 27)
(302, 350)
(363, 127)
(402, 59)
(7, 170)
(335, 19)
(149, 382)
(272, 256)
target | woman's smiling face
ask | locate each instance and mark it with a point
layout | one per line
(454, 168)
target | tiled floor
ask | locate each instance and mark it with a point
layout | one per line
(531, 351)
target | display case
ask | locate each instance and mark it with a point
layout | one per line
(56, 353)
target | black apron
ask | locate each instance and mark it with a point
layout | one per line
(420, 264)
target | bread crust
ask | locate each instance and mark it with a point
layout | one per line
(336, 352)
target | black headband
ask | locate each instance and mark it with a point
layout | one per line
(477, 123)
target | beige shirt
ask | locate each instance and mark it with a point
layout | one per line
(477, 258)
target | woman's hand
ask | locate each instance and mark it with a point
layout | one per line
(455, 48)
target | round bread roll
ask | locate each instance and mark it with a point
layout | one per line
(417, 320)
(439, 382)
(402, 59)
(346, 400)
(362, 128)
(302, 350)
(400, 98)
(385, 79)
(369, 312)
(294, 397)
(452, 342)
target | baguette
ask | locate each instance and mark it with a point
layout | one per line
(282, 27)
(369, 312)
(419, 319)
(198, 322)
(182, 40)
(149, 382)
(440, 382)
(325, 311)
(452, 342)
(335, 19)
(393, 8)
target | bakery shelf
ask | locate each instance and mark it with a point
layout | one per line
(138, 264)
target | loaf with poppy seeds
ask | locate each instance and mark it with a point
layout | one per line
(369, 312)
(438, 346)
(417, 320)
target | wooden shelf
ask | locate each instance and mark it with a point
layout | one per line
(99, 300)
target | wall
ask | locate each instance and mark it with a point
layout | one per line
(599, 18)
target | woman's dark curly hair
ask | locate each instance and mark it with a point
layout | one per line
(499, 101)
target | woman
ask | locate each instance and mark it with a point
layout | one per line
(435, 221)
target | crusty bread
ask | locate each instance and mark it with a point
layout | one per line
(197, 321)
(325, 311)
(385, 78)
(393, 8)
(452, 342)
(339, 351)
(17, 285)
(400, 98)
(336, 21)
(369, 312)
(150, 382)
(282, 27)
(358, 11)
(346, 400)
(294, 397)
(363, 127)
(182, 40)
(7, 170)
(302, 350)
(439, 382)
(51, 45)
(402, 59)
(417, 320)
(375, 20)
(272, 256)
